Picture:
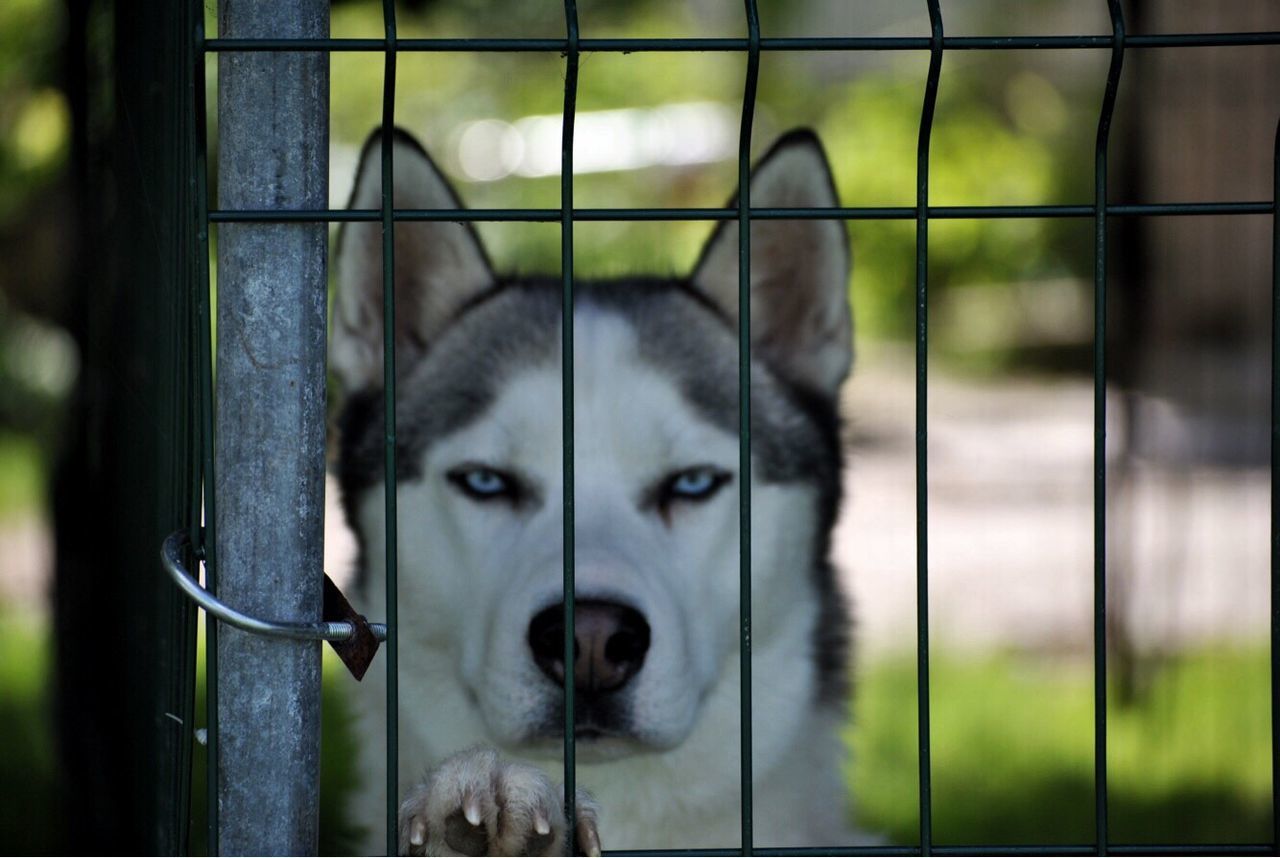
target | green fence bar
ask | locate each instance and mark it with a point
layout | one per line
(744, 413)
(1275, 495)
(566, 386)
(196, 236)
(206, 548)
(389, 423)
(1055, 849)
(1100, 429)
(856, 43)
(1003, 849)
(922, 423)
(1083, 210)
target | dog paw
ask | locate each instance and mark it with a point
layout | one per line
(475, 804)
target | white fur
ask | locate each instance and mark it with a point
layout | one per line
(472, 576)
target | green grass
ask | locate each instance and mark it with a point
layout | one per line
(1012, 751)
(27, 825)
(22, 474)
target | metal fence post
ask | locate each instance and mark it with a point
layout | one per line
(273, 143)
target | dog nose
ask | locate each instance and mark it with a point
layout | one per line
(609, 644)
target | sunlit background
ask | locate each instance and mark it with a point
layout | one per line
(1011, 397)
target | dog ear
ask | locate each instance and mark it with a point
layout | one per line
(800, 319)
(439, 265)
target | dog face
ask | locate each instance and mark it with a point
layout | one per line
(657, 479)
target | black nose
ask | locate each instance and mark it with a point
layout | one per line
(610, 642)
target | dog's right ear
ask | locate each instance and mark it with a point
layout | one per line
(439, 265)
(800, 319)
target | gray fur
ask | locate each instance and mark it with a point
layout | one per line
(518, 325)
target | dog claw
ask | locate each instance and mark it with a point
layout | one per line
(418, 832)
(586, 831)
(471, 810)
(590, 840)
(474, 803)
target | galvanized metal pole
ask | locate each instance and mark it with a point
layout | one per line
(273, 143)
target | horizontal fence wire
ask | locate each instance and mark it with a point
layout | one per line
(572, 46)
(853, 43)
(1003, 849)
(1256, 207)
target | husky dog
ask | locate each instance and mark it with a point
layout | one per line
(479, 453)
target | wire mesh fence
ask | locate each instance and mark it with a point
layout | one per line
(572, 47)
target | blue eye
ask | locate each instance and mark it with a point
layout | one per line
(695, 484)
(482, 484)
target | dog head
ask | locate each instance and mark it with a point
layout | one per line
(655, 459)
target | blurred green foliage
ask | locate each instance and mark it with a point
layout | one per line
(34, 119)
(22, 470)
(37, 358)
(1007, 133)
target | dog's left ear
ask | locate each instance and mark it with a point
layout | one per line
(800, 319)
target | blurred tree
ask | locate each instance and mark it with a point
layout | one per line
(36, 209)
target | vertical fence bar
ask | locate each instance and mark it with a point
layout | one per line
(922, 423)
(174, 829)
(1100, 429)
(566, 385)
(273, 147)
(207, 546)
(744, 413)
(389, 423)
(1275, 495)
(199, 274)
